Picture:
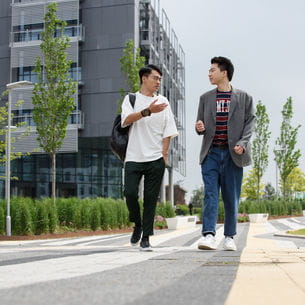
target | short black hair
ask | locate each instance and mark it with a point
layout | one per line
(145, 71)
(224, 64)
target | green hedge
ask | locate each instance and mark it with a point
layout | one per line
(29, 216)
(273, 207)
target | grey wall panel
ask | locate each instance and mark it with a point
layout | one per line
(4, 71)
(29, 143)
(5, 26)
(5, 8)
(100, 110)
(5, 29)
(100, 58)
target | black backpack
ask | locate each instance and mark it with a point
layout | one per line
(119, 135)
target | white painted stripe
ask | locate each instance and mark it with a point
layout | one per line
(73, 266)
(101, 240)
(69, 267)
(79, 240)
(299, 221)
(292, 225)
(270, 228)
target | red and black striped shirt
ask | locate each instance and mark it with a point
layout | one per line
(223, 100)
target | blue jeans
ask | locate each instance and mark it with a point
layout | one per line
(220, 172)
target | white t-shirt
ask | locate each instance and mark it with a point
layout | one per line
(146, 134)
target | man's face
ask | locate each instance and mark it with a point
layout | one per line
(216, 76)
(152, 81)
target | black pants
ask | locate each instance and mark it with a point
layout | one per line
(153, 172)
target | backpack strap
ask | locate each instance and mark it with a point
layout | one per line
(132, 99)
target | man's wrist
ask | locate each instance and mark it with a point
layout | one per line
(145, 112)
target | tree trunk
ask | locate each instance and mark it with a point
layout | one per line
(53, 158)
(258, 188)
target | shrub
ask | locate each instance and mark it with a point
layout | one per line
(52, 216)
(197, 211)
(85, 206)
(105, 214)
(165, 210)
(221, 212)
(95, 216)
(182, 209)
(21, 217)
(122, 212)
(41, 222)
(66, 209)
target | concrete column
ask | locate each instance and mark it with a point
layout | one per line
(171, 185)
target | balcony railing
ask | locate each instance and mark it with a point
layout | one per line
(35, 35)
(26, 120)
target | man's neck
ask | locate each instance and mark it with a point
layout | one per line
(146, 92)
(224, 87)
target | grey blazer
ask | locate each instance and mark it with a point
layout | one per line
(240, 124)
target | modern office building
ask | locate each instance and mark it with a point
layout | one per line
(98, 31)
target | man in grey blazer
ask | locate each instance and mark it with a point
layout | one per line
(225, 119)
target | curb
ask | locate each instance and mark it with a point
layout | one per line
(284, 234)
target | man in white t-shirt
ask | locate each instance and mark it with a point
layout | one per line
(153, 126)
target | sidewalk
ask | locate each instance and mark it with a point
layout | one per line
(267, 274)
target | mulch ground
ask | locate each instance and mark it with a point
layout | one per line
(65, 234)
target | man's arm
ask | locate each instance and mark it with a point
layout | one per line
(199, 126)
(165, 149)
(153, 108)
(248, 127)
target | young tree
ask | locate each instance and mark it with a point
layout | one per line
(53, 93)
(269, 192)
(295, 182)
(131, 62)
(260, 145)
(250, 186)
(3, 131)
(197, 197)
(287, 157)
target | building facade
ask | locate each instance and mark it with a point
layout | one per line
(86, 166)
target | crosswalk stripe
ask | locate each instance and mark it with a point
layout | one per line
(81, 240)
(290, 224)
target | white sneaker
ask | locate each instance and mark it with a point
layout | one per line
(229, 244)
(207, 242)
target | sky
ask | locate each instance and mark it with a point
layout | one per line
(265, 40)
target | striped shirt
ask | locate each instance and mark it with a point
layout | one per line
(223, 100)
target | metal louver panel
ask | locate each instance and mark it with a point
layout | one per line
(33, 12)
(25, 56)
(28, 143)
(25, 95)
(22, 94)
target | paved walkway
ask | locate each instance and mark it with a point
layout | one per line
(269, 273)
(265, 270)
